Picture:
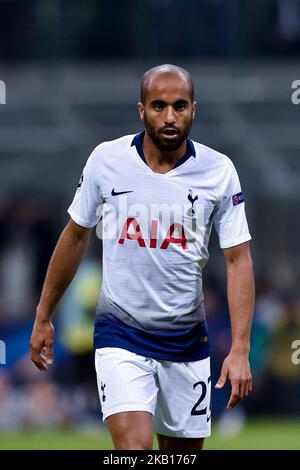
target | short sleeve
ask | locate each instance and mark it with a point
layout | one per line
(86, 205)
(229, 217)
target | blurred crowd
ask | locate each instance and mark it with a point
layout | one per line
(57, 29)
(67, 395)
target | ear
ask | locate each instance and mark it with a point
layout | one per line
(141, 110)
(194, 106)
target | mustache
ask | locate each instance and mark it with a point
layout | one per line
(170, 128)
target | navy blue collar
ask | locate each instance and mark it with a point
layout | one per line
(190, 150)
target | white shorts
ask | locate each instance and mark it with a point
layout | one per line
(177, 394)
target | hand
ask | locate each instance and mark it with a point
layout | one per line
(236, 367)
(42, 340)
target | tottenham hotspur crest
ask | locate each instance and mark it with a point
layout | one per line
(192, 199)
(102, 385)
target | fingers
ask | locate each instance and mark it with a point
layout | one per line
(245, 387)
(250, 385)
(41, 344)
(49, 353)
(223, 377)
(239, 390)
(41, 365)
(39, 359)
(237, 369)
(235, 394)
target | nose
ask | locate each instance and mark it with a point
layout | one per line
(170, 116)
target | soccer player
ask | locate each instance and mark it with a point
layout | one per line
(157, 195)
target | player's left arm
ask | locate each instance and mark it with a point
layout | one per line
(241, 293)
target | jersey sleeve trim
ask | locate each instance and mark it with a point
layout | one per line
(237, 241)
(80, 221)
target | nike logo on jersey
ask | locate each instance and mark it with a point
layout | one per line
(115, 193)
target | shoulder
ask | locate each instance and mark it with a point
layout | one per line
(116, 146)
(216, 169)
(105, 151)
(212, 159)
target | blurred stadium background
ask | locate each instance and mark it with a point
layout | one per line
(72, 72)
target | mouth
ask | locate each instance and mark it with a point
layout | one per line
(169, 134)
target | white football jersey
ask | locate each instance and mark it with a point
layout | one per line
(155, 230)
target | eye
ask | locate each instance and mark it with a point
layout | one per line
(180, 106)
(158, 106)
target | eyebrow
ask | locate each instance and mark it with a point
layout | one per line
(179, 101)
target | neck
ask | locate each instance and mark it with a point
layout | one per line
(161, 160)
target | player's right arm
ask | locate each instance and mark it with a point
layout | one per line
(63, 265)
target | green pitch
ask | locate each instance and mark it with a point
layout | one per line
(258, 434)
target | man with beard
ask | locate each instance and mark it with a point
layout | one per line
(157, 194)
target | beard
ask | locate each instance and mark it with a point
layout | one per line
(165, 145)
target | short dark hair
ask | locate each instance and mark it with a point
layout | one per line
(165, 68)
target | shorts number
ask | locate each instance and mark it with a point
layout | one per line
(195, 411)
